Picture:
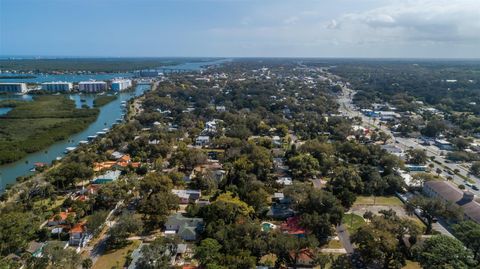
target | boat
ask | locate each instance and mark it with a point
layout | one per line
(119, 120)
(91, 137)
(101, 133)
(69, 149)
(82, 142)
(105, 129)
(58, 158)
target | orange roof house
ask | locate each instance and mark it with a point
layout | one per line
(292, 226)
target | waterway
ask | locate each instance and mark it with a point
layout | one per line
(109, 114)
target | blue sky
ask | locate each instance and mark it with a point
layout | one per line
(243, 28)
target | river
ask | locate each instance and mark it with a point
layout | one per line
(107, 117)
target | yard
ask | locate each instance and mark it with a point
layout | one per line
(412, 265)
(353, 222)
(378, 200)
(115, 258)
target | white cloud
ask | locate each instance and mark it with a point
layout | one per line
(387, 28)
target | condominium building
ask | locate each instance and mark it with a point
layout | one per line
(57, 86)
(13, 87)
(121, 84)
(92, 86)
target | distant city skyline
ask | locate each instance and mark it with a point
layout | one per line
(242, 28)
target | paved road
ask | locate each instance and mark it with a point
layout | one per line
(344, 238)
(347, 108)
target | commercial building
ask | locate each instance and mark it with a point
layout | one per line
(450, 193)
(57, 86)
(443, 144)
(13, 87)
(121, 84)
(92, 86)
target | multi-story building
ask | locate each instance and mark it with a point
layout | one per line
(449, 193)
(57, 86)
(92, 86)
(13, 87)
(121, 84)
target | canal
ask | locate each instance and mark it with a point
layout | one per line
(108, 116)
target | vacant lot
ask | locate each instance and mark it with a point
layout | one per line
(378, 200)
(115, 258)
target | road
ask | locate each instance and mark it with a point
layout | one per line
(344, 238)
(348, 109)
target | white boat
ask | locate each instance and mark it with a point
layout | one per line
(82, 142)
(101, 133)
(91, 137)
(70, 149)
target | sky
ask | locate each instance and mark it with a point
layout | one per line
(241, 28)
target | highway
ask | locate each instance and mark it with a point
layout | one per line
(348, 109)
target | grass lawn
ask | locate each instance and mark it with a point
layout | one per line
(412, 265)
(353, 222)
(115, 257)
(46, 201)
(378, 200)
(334, 244)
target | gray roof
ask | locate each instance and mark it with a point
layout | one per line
(181, 221)
(452, 194)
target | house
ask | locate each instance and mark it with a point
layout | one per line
(79, 235)
(35, 249)
(286, 181)
(186, 228)
(117, 155)
(449, 193)
(202, 140)
(109, 176)
(280, 211)
(443, 144)
(292, 226)
(221, 109)
(60, 218)
(187, 196)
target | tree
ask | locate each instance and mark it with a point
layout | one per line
(469, 233)
(16, 229)
(438, 171)
(417, 156)
(158, 254)
(376, 245)
(345, 183)
(421, 178)
(304, 166)
(322, 260)
(156, 208)
(226, 207)
(96, 220)
(208, 252)
(441, 251)
(475, 169)
(61, 257)
(87, 263)
(126, 225)
(433, 207)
